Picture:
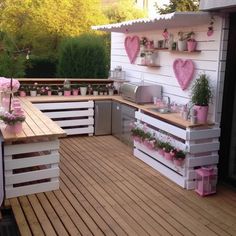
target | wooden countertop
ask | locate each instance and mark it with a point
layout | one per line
(172, 118)
(37, 125)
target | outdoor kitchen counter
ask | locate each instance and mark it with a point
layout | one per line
(37, 125)
(172, 118)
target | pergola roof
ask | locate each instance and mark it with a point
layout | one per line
(172, 20)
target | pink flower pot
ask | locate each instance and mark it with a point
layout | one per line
(178, 162)
(75, 92)
(137, 139)
(161, 152)
(202, 112)
(49, 93)
(168, 156)
(14, 129)
(191, 45)
(22, 94)
(67, 93)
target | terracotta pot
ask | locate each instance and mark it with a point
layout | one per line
(191, 46)
(202, 112)
(14, 129)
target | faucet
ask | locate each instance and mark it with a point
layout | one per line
(168, 101)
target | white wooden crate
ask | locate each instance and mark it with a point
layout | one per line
(31, 167)
(72, 117)
(201, 144)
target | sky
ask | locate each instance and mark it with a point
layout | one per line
(160, 3)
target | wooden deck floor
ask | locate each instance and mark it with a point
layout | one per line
(104, 190)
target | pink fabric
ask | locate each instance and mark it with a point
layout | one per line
(132, 47)
(183, 72)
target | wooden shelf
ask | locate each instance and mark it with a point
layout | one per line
(176, 51)
(171, 51)
(157, 66)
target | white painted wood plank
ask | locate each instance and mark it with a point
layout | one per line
(203, 134)
(178, 132)
(31, 176)
(64, 105)
(86, 130)
(76, 122)
(30, 147)
(203, 147)
(202, 161)
(191, 174)
(156, 156)
(178, 179)
(68, 114)
(32, 161)
(30, 189)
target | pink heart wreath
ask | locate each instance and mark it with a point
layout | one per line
(132, 47)
(183, 72)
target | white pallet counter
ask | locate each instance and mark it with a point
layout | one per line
(31, 167)
(72, 117)
(31, 157)
(201, 144)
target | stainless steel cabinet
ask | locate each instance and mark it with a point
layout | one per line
(116, 119)
(122, 117)
(103, 117)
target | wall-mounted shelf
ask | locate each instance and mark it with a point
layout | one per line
(157, 66)
(171, 51)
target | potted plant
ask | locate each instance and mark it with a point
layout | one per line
(143, 43)
(191, 42)
(13, 121)
(33, 90)
(137, 134)
(201, 97)
(95, 89)
(111, 89)
(168, 154)
(160, 147)
(23, 91)
(179, 157)
(83, 90)
(182, 41)
(59, 91)
(75, 89)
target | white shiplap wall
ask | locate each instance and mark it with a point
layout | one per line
(210, 60)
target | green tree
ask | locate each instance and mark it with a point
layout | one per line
(123, 10)
(178, 5)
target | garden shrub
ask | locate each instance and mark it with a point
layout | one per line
(41, 67)
(83, 57)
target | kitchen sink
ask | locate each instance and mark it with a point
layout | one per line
(160, 110)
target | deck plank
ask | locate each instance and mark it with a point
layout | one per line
(20, 218)
(104, 190)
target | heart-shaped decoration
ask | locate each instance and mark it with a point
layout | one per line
(183, 72)
(132, 47)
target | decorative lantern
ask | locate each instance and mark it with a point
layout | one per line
(206, 181)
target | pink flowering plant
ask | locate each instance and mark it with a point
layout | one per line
(5, 85)
(12, 118)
